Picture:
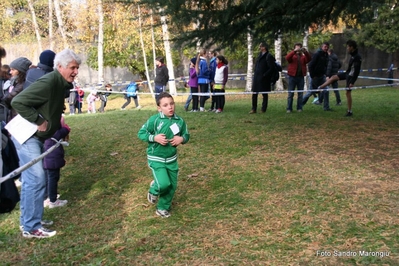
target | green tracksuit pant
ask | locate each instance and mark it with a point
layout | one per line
(165, 182)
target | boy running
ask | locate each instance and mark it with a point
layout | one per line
(163, 132)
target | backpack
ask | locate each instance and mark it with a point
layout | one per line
(131, 90)
(277, 69)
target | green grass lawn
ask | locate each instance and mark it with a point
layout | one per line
(262, 189)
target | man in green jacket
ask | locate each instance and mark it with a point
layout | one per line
(41, 103)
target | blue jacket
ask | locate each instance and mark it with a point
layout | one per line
(34, 73)
(204, 74)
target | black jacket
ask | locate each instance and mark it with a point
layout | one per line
(264, 68)
(318, 65)
(354, 66)
(333, 65)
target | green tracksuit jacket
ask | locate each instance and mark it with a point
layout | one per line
(161, 124)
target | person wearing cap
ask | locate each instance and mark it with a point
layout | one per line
(18, 69)
(45, 65)
(42, 103)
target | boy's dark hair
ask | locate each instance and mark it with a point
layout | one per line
(162, 95)
(327, 43)
(352, 43)
(160, 59)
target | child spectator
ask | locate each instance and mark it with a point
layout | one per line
(131, 92)
(163, 132)
(220, 79)
(193, 83)
(79, 97)
(91, 102)
(52, 164)
(104, 97)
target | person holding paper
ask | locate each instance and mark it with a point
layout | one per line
(163, 132)
(42, 104)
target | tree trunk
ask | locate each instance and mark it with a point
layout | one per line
(305, 44)
(168, 53)
(34, 22)
(250, 65)
(277, 50)
(50, 24)
(144, 55)
(100, 52)
(60, 23)
(153, 44)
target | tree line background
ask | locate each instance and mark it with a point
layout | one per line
(130, 34)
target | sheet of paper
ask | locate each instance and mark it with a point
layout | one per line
(21, 129)
(175, 128)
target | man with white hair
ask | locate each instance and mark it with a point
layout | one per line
(42, 104)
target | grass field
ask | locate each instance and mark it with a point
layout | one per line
(310, 188)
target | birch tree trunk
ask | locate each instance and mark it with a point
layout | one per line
(250, 65)
(60, 23)
(144, 55)
(34, 21)
(277, 50)
(305, 44)
(168, 53)
(153, 43)
(100, 49)
(50, 24)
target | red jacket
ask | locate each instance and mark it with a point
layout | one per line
(292, 59)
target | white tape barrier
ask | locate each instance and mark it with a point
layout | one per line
(99, 86)
(234, 77)
(250, 92)
(34, 161)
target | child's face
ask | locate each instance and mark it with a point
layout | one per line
(167, 106)
(14, 72)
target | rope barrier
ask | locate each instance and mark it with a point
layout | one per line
(34, 161)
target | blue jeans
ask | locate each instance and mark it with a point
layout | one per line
(314, 83)
(336, 92)
(299, 83)
(158, 90)
(33, 184)
(188, 101)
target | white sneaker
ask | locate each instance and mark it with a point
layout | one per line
(46, 202)
(138, 107)
(57, 203)
(39, 233)
(202, 109)
(18, 183)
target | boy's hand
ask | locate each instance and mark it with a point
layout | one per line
(161, 139)
(176, 141)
